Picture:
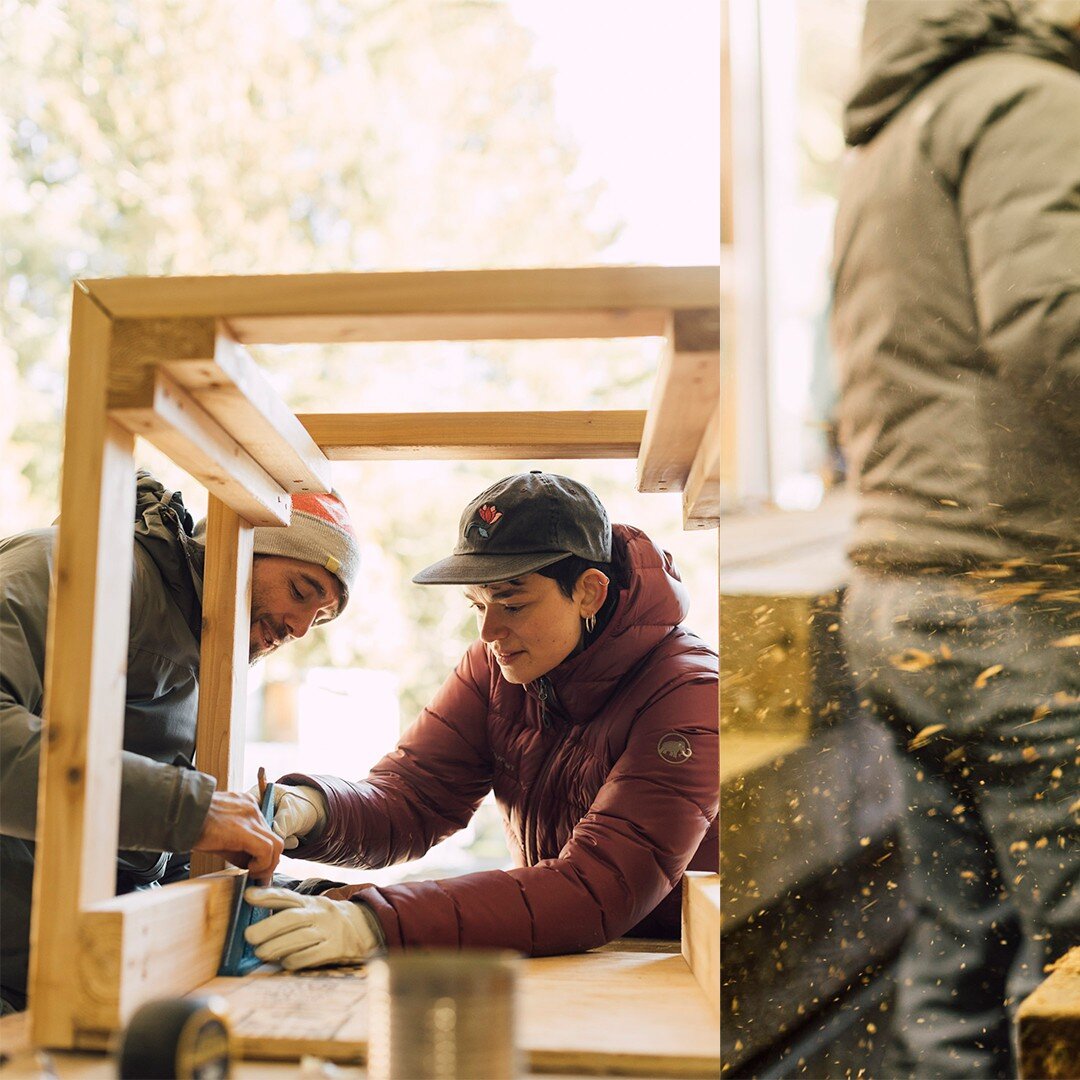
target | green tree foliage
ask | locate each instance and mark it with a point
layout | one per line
(170, 137)
(193, 137)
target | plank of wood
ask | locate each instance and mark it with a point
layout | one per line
(246, 300)
(178, 426)
(629, 1014)
(685, 394)
(701, 932)
(701, 495)
(223, 657)
(149, 944)
(614, 433)
(233, 390)
(1048, 1023)
(744, 752)
(139, 346)
(85, 666)
(451, 326)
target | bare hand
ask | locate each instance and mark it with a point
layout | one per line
(234, 829)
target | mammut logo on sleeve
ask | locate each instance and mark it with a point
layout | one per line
(674, 748)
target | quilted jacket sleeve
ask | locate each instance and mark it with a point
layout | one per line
(426, 789)
(162, 807)
(623, 858)
(1019, 200)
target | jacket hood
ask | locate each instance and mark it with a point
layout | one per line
(652, 601)
(908, 43)
(164, 529)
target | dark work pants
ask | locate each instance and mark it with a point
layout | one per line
(980, 685)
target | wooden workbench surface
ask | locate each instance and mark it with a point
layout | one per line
(617, 1011)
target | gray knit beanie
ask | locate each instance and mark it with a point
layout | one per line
(320, 532)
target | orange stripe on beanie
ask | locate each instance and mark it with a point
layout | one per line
(320, 532)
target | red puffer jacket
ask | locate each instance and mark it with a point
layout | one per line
(605, 771)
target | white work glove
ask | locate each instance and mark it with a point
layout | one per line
(298, 810)
(309, 931)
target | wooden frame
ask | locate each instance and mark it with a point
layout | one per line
(166, 359)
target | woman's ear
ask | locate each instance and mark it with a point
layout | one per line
(591, 591)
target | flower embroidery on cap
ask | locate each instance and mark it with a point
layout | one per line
(489, 515)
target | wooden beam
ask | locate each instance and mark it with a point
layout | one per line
(145, 945)
(460, 436)
(701, 495)
(178, 426)
(1048, 1024)
(654, 1020)
(451, 326)
(701, 932)
(203, 358)
(78, 809)
(232, 389)
(223, 660)
(464, 292)
(685, 394)
(139, 346)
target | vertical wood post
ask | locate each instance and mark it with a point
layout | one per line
(85, 678)
(223, 662)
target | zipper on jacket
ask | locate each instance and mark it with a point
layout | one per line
(545, 692)
(542, 692)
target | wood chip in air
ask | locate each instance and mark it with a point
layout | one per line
(912, 660)
(924, 736)
(1072, 641)
(985, 676)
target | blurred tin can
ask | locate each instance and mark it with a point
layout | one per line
(443, 1015)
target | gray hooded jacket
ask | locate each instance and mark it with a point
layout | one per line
(956, 313)
(163, 801)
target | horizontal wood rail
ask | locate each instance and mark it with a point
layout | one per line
(246, 300)
(179, 426)
(477, 435)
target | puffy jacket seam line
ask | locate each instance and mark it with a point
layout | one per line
(457, 912)
(601, 856)
(656, 782)
(680, 681)
(528, 908)
(645, 843)
(583, 882)
(471, 685)
(457, 732)
(417, 799)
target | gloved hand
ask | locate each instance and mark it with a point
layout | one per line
(309, 931)
(298, 810)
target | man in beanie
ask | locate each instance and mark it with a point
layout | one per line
(301, 577)
(587, 709)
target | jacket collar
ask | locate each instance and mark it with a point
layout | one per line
(652, 602)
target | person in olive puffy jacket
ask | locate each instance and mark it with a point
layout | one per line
(301, 575)
(587, 709)
(956, 319)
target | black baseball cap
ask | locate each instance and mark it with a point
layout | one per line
(520, 525)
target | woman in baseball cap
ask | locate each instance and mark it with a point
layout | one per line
(583, 704)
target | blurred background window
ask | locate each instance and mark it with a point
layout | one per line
(790, 64)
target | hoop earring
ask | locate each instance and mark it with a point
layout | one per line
(590, 624)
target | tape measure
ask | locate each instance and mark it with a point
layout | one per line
(185, 1038)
